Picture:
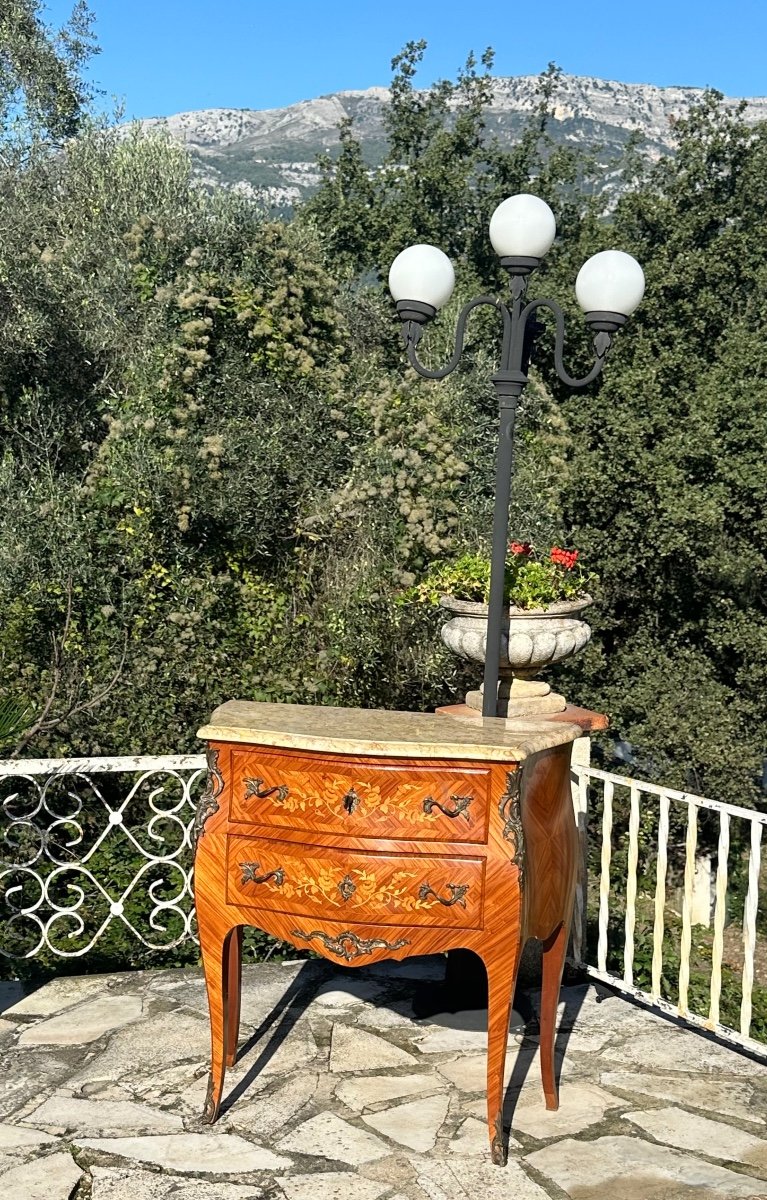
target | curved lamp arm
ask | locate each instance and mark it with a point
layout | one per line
(601, 344)
(460, 333)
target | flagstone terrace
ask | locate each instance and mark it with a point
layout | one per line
(339, 1094)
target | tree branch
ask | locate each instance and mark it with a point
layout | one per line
(44, 723)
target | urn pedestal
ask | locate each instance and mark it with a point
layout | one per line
(532, 639)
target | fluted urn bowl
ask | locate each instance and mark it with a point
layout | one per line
(532, 638)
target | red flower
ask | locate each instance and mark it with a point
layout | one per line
(520, 547)
(564, 558)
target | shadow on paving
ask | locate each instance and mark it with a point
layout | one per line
(281, 1020)
(437, 996)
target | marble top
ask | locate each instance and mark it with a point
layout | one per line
(378, 731)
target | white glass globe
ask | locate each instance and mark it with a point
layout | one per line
(522, 226)
(423, 273)
(610, 281)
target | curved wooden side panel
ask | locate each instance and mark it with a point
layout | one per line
(551, 840)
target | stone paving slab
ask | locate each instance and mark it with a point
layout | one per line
(729, 1098)
(137, 1053)
(353, 1049)
(271, 1115)
(330, 1136)
(60, 994)
(339, 1092)
(664, 1049)
(84, 1023)
(369, 1091)
(475, 1179)
(27, 1076)
(191, 1153)
(332, 1185)
(133, 1183)
(50, 1178)
(64, 1114)
(637, 1170)
(414, 1124)
(688, 1131)
(462, 1032)
(12, 1137)
(581, 1105)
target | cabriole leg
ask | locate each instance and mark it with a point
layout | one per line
(554, 950)
(501, 977)
(234, 993)
(214, 945)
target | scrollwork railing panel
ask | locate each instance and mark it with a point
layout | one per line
(85, 843)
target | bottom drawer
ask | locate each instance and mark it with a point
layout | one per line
(395, 889)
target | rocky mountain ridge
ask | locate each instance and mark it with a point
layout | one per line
(271, 153)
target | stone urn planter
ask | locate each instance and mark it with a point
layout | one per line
(532, 640)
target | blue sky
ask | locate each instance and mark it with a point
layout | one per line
(165, 56)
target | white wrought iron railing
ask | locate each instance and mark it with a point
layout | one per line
(654, 837)
(85, 842)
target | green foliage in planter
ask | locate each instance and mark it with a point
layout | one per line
(466, 577)
(529, 582)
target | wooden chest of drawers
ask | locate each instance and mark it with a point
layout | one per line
(369, 835)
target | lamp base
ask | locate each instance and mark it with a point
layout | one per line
(520, 698)
(518, 264)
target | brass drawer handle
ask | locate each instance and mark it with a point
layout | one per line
(351, 801)
(457, 893)
(255, 787)
(250, 874)
(461, 806)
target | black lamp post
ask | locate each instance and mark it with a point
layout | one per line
(609, 287)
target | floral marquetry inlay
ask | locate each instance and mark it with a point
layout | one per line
(414, 888)
(398, 891)
(438, 803)
(332, 795)
(402, 891)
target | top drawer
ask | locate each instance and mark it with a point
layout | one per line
(397, 800)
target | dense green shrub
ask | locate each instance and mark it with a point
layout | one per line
(213, 483)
